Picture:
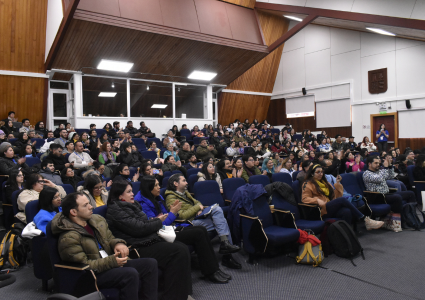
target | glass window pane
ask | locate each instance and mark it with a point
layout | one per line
(59, 105)
(191, 100)
(56, 123)
(111, 106)
(144, 94)
(58, 85)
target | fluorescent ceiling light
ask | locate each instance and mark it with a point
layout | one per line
(113, 65)
(200, 75)
(380, 31)
(107, 94)
(293, 18)
(159, 106)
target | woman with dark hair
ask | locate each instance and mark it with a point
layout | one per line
(68, 177)
(249, 167)
(10, 128)
(175, 131)
(293, 158)
(364, 153)
(106, 155)
(22, 141)
(147, 170)
(85, 139)
(311, 155)
(419, 170)
(277, 147)
(354, 163)
(237, 165)
(15, 182)
(127, 221)
(299, 147)
(307, 147)
(170, 164)
(74, 137)
(49, 205)
(208, 173)
(94, 190)
(382, 135)
(103, 138)
(122, 172)
(305, 166)
(316, 190)
(127, 157)
(153, 147)
(225, 170)
(110, 130)
(28, 151)
(154, 205)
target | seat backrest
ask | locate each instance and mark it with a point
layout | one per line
(359, 177)
(175, 172)
(100, 131)
(185, 131)
(80, 183)
(208, 192)
(165, 181)
(350, 184)
(410, 175)
(30, 161)
(149, 155)
(280, 203)
(15, 202)
(101, 210)
(259, 179)
(282, 177)
(156, 140)
(191, 181)
(296, 186)
(162, 192)
(68, 188)
(81, 130)
(192, 171)
(136, 187)
(161, 153)
(261, 209)
(140, 144)
(133, 171)
(52, 241)
(230, 185)
(294, 175)
(167, 173)
(31, 209)
(275, 130)
(39, 144)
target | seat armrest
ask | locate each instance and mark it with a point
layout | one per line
(249, 217)
(284, 218)
(228, 201)
(72, 266)
(374, 197)
(419, 181)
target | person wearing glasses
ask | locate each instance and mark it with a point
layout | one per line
(94, 190)
(34, 184)
(318, 191)
(49, 205)
(249, 167)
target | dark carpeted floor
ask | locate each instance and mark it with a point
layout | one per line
(394, 269)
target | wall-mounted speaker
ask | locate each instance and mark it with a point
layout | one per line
(304, 91)
(408, 106)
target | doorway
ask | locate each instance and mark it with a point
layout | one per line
(391, 124)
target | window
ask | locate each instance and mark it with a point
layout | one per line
(191, 101)
(59, 105)
(145, 94)
(114, 105)
(59, 85)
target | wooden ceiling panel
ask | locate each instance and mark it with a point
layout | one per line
(86, 43)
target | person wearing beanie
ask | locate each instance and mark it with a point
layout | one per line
(8, 162)
(2, 137)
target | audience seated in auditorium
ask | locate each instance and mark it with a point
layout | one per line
(419, 170)
(49, 205)
(353, 164)
(153, 205)
(48, 172)
(324, 146)
(317, 190)
(225, 169)
(63, 138)
(369, 146)
(77, 225)
(8, 162)
(268, 168)
(215, 221)
(81, 159)
(106, 155)
(127, 220)
(94, 190)
(122, 172)
(14, 182)
(338, 145)
(25, 126)
(249, 168)
(170, 152)
(145, 130)
(68, 176)
(22, 141)
(351, 144)
(132, 130)
(34, 184)
(55, 155)
(28, 151)
(287, 166)
(185, 152)
(128, 157)
(208, 173)
(305, 166)
(205, 151)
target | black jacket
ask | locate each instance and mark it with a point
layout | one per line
(131, 159)
(185, 155)
(7, 165)
(72, 181)
(419, 173)
(59, 162)
(128, 222)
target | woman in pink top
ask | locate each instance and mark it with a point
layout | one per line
(354, 164)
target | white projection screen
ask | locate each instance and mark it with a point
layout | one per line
(300, 106)
(411, 123)
(336, 113)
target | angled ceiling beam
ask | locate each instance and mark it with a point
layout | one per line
(345, 15)
(290, 33)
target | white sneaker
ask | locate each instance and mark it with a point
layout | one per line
(372, 224)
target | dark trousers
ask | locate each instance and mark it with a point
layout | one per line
(174, 261)
(395, 200)
(343, 209)
(198, 237)
(382, 146)
(127, 279)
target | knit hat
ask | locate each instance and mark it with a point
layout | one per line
(4, 146)
(1, 132)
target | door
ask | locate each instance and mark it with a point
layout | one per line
(58, 108)
(390, 121)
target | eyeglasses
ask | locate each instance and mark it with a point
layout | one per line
(250, 160)
(97, 188)
(319, 172)
(39, 181)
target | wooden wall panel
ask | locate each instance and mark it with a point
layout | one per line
(277, 116)
(22, 45)
(24, 95)
(260, 78)
(246, 3)
(414, 144)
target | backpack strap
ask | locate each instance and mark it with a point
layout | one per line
(347, 239)
(9, 245)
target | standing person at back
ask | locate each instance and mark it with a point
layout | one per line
(382, 135)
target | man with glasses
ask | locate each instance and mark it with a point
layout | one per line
(249, 167)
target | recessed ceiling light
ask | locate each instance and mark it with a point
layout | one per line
(113, 65)
(107, 94)
(200, 75)
(380, 31)
(293, 18)
(159, 106)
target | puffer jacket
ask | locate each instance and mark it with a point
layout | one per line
(127, 221)
(78, 246)
(190, 206)
(203, 153)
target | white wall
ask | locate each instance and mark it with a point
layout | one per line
(319, 57)
(414, 9)
(54, 19)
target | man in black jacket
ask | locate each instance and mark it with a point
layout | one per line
(185, 152)
(55, 155)
(131, 130)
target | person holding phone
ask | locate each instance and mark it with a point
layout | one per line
(382, 135)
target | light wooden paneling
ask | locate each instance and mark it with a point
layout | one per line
(259, 78)
(245, 3)
(24, 95)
